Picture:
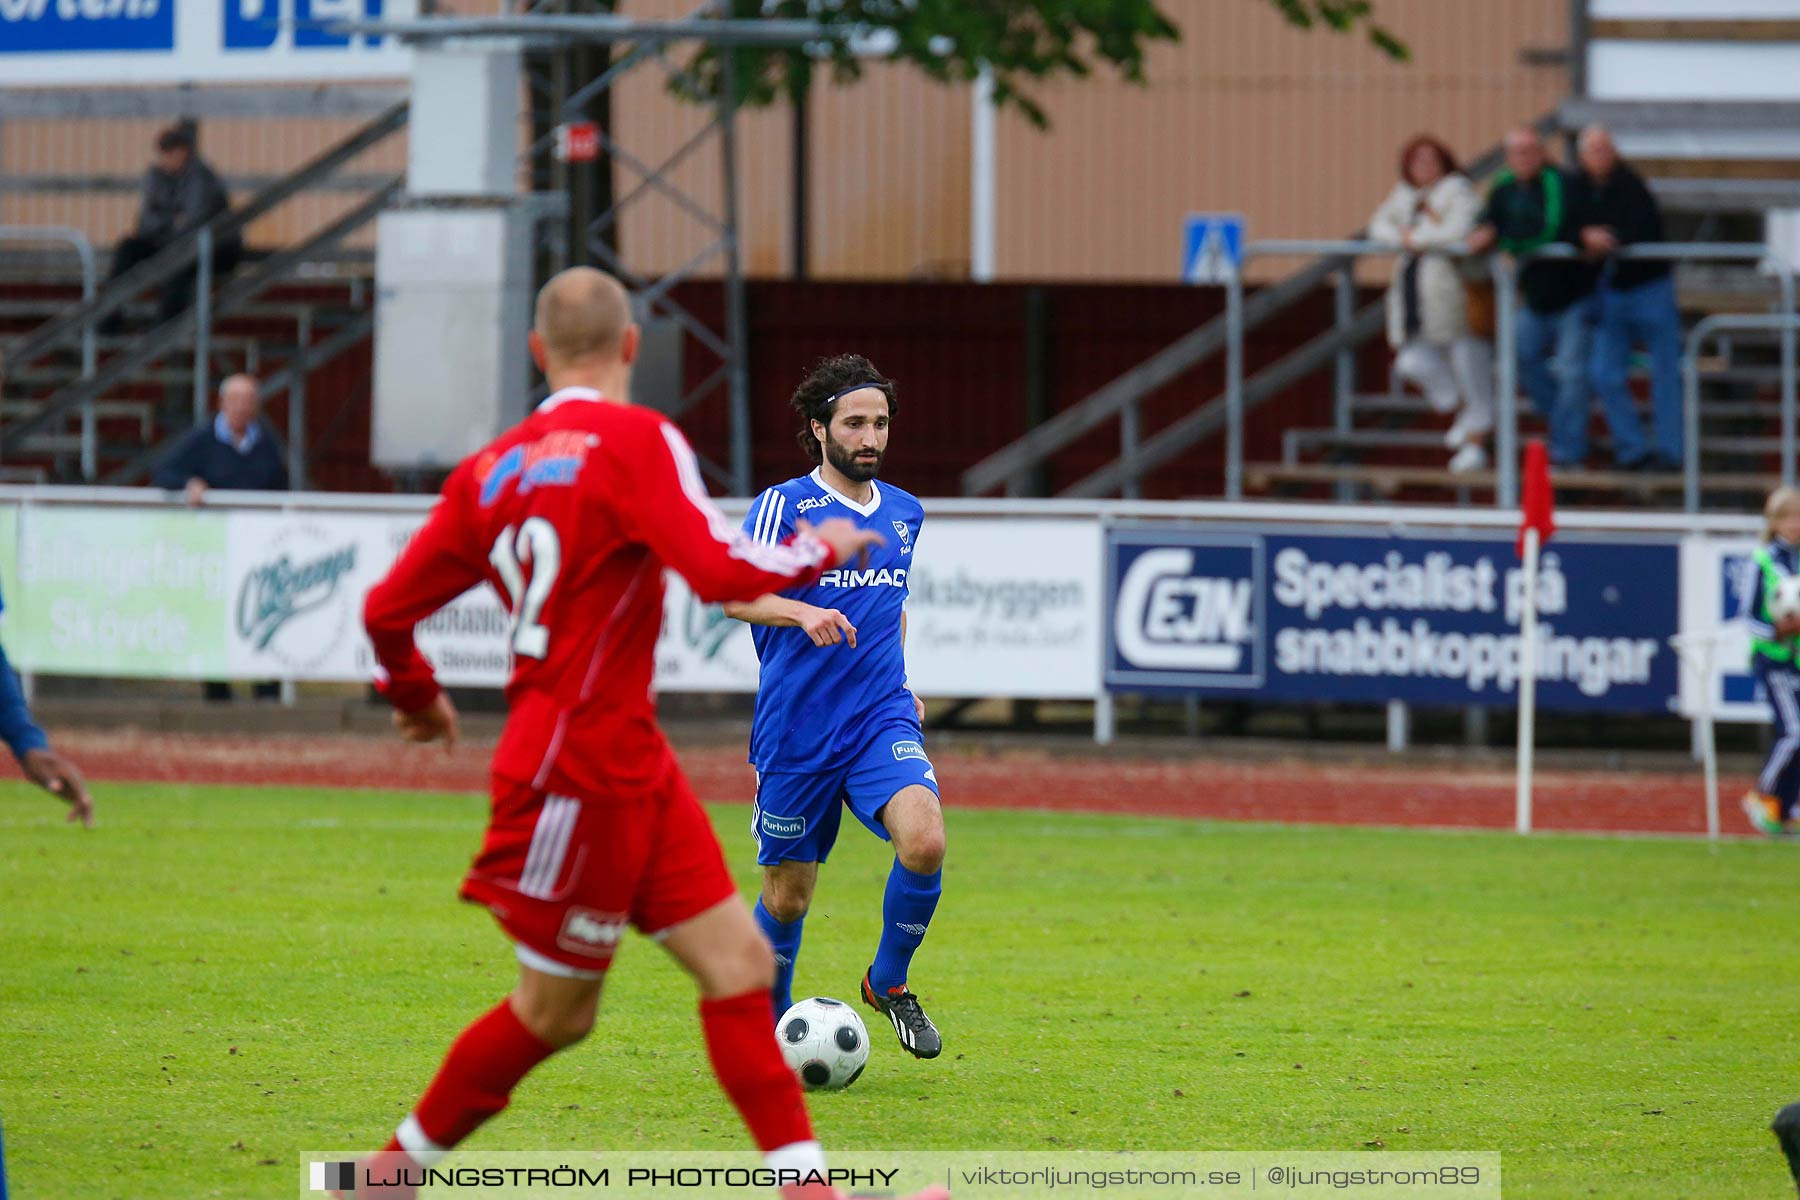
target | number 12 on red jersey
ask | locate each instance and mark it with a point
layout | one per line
(533, 544)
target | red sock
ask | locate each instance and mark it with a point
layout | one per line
(475, 1082)
(740, 1040)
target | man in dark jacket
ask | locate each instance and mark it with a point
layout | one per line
(180, 193)
(1636, 303)
(235, 450)
(1532, 205)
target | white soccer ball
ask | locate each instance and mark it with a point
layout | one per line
(1784, 600)
(824, 1042)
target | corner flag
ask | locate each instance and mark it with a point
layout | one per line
(1537, 506)
(1537, 521)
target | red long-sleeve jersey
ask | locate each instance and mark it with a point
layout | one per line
(571, 517)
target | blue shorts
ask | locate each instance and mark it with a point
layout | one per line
(797, 813)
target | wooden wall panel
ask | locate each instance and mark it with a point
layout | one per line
(1298, 130)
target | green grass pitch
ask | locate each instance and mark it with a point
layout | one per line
(217, 978)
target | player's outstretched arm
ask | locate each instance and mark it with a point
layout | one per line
(825, 626)
(432, 571)
(670, 511)
(31, 746)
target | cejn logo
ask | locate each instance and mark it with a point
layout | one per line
(1188, 609)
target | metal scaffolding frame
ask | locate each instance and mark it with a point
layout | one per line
(649, 41)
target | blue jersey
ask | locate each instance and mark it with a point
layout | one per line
(818, 705)
(20, 733)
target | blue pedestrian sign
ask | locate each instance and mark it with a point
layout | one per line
(1212, 247)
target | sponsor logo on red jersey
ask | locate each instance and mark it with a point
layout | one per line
(585, 931)
(554, 460)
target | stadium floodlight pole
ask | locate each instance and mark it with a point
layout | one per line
(738, 386)
(203, 323)
(982, 180)
(1788, 350)
(1506, 383)
(1234, 384)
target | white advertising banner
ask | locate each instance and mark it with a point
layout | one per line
(1006, 608)
(118, 592)
(998, 607)
(1711, 571)
(701, 649)
(295, 584)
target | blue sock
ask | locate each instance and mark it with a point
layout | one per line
(905, 914)
(786, 940)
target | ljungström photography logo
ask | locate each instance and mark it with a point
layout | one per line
(334, 1177)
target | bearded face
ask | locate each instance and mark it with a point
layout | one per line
(855, 442)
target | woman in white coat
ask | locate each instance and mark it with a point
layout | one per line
(1431, 212)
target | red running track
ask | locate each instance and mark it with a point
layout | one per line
(1416, 793)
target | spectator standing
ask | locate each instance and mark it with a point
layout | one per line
(181, 193)
(1431, 212)
(1533, 204)
(235, 451)
(1636, 304)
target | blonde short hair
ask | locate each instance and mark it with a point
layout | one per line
(1780, 500)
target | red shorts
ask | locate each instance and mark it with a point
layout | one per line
(565, 875)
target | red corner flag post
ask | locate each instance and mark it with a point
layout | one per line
(1537, 521)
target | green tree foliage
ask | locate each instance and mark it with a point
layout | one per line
(1025, 42)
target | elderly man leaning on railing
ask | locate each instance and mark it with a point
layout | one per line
(235, 450)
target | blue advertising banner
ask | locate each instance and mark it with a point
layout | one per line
(254, 24)
(48, 26)
(1370, 619)
(87, 43)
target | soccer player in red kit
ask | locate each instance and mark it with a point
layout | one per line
(572, 516)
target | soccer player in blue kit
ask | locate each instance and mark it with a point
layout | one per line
(836, 726)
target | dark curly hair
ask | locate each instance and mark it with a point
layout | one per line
(830, 378)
